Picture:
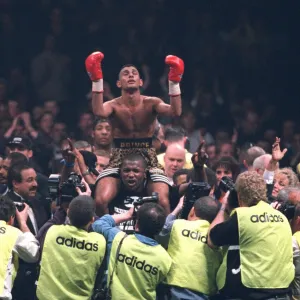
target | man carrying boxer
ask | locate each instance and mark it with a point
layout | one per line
(133, 117)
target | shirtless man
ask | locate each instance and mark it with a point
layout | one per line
(133, 118)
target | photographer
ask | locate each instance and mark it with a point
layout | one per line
(192, 276)
(136, 263)
(258, 263)
(68, 246)
(15, 244)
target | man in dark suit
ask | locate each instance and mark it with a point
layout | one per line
(23, 144)
(22, 182)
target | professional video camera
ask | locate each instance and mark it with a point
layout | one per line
(138, 201)
(227, 184)
(135, 201)
(194, 191)
(288, 209)
(65, 191)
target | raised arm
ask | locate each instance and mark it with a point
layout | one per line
(94, 70)
(174, 109)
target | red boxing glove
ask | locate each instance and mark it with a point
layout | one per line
(93, 66)
(176, 68)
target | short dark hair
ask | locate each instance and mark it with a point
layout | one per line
(174, 134)
(179, 173)
(134, 157)
(16, 158)
(151, 218)
(14, 173)
(206, 208)
(81, 210)
(228, 163)
(127, 66)
(98, 120)
(7, 208)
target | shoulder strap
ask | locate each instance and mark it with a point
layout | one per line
(116, 262)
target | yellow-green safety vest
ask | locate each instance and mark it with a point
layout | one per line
(195, 265)
(70, 261)
(8, 238)
(265, 246)
(139, 270)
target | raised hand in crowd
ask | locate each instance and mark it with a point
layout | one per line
(12, 128)
(277, 155)
(199, 160)
(25, 116)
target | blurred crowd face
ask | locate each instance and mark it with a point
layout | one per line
(4, 165)
(280, 181)
(59, 132)
(46, 123)
(211, 152)
(188, 121)
(13, 108)
(103, 134)
(21, 149)
(102, 163)
(86, 121)
(52, 107)
(129, 79)
(28, 186)
(181, 179)
(226, 150)
(221, 172)
(133, 175)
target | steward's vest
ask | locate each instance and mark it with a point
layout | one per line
(70, 260)
(139, 270)
(265, 246)
(195, 265)
(8, 238)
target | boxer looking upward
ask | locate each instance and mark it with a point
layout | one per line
(133, 118)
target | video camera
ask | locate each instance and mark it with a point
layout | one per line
(194, 191)
(129, 201)
(66, 191)
(138, 201)
(227, 184)
(288, 209)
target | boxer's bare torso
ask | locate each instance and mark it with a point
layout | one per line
(133, 120)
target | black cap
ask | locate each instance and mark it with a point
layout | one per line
(23, 141)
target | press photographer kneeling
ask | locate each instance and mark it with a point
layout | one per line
(259, 261)
(66, 246)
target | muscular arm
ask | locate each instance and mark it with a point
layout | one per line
(101, 109)
(169, 110)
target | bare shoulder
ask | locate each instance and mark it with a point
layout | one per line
(150, 100)
(113, 102)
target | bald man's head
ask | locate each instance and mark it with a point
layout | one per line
(174, 159)
(261, 162)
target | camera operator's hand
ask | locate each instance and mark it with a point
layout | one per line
(276, 205)
(119, 218)
(199, 158)
(225, 205)
(178, 208)
(88, 191)
(22, 217)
